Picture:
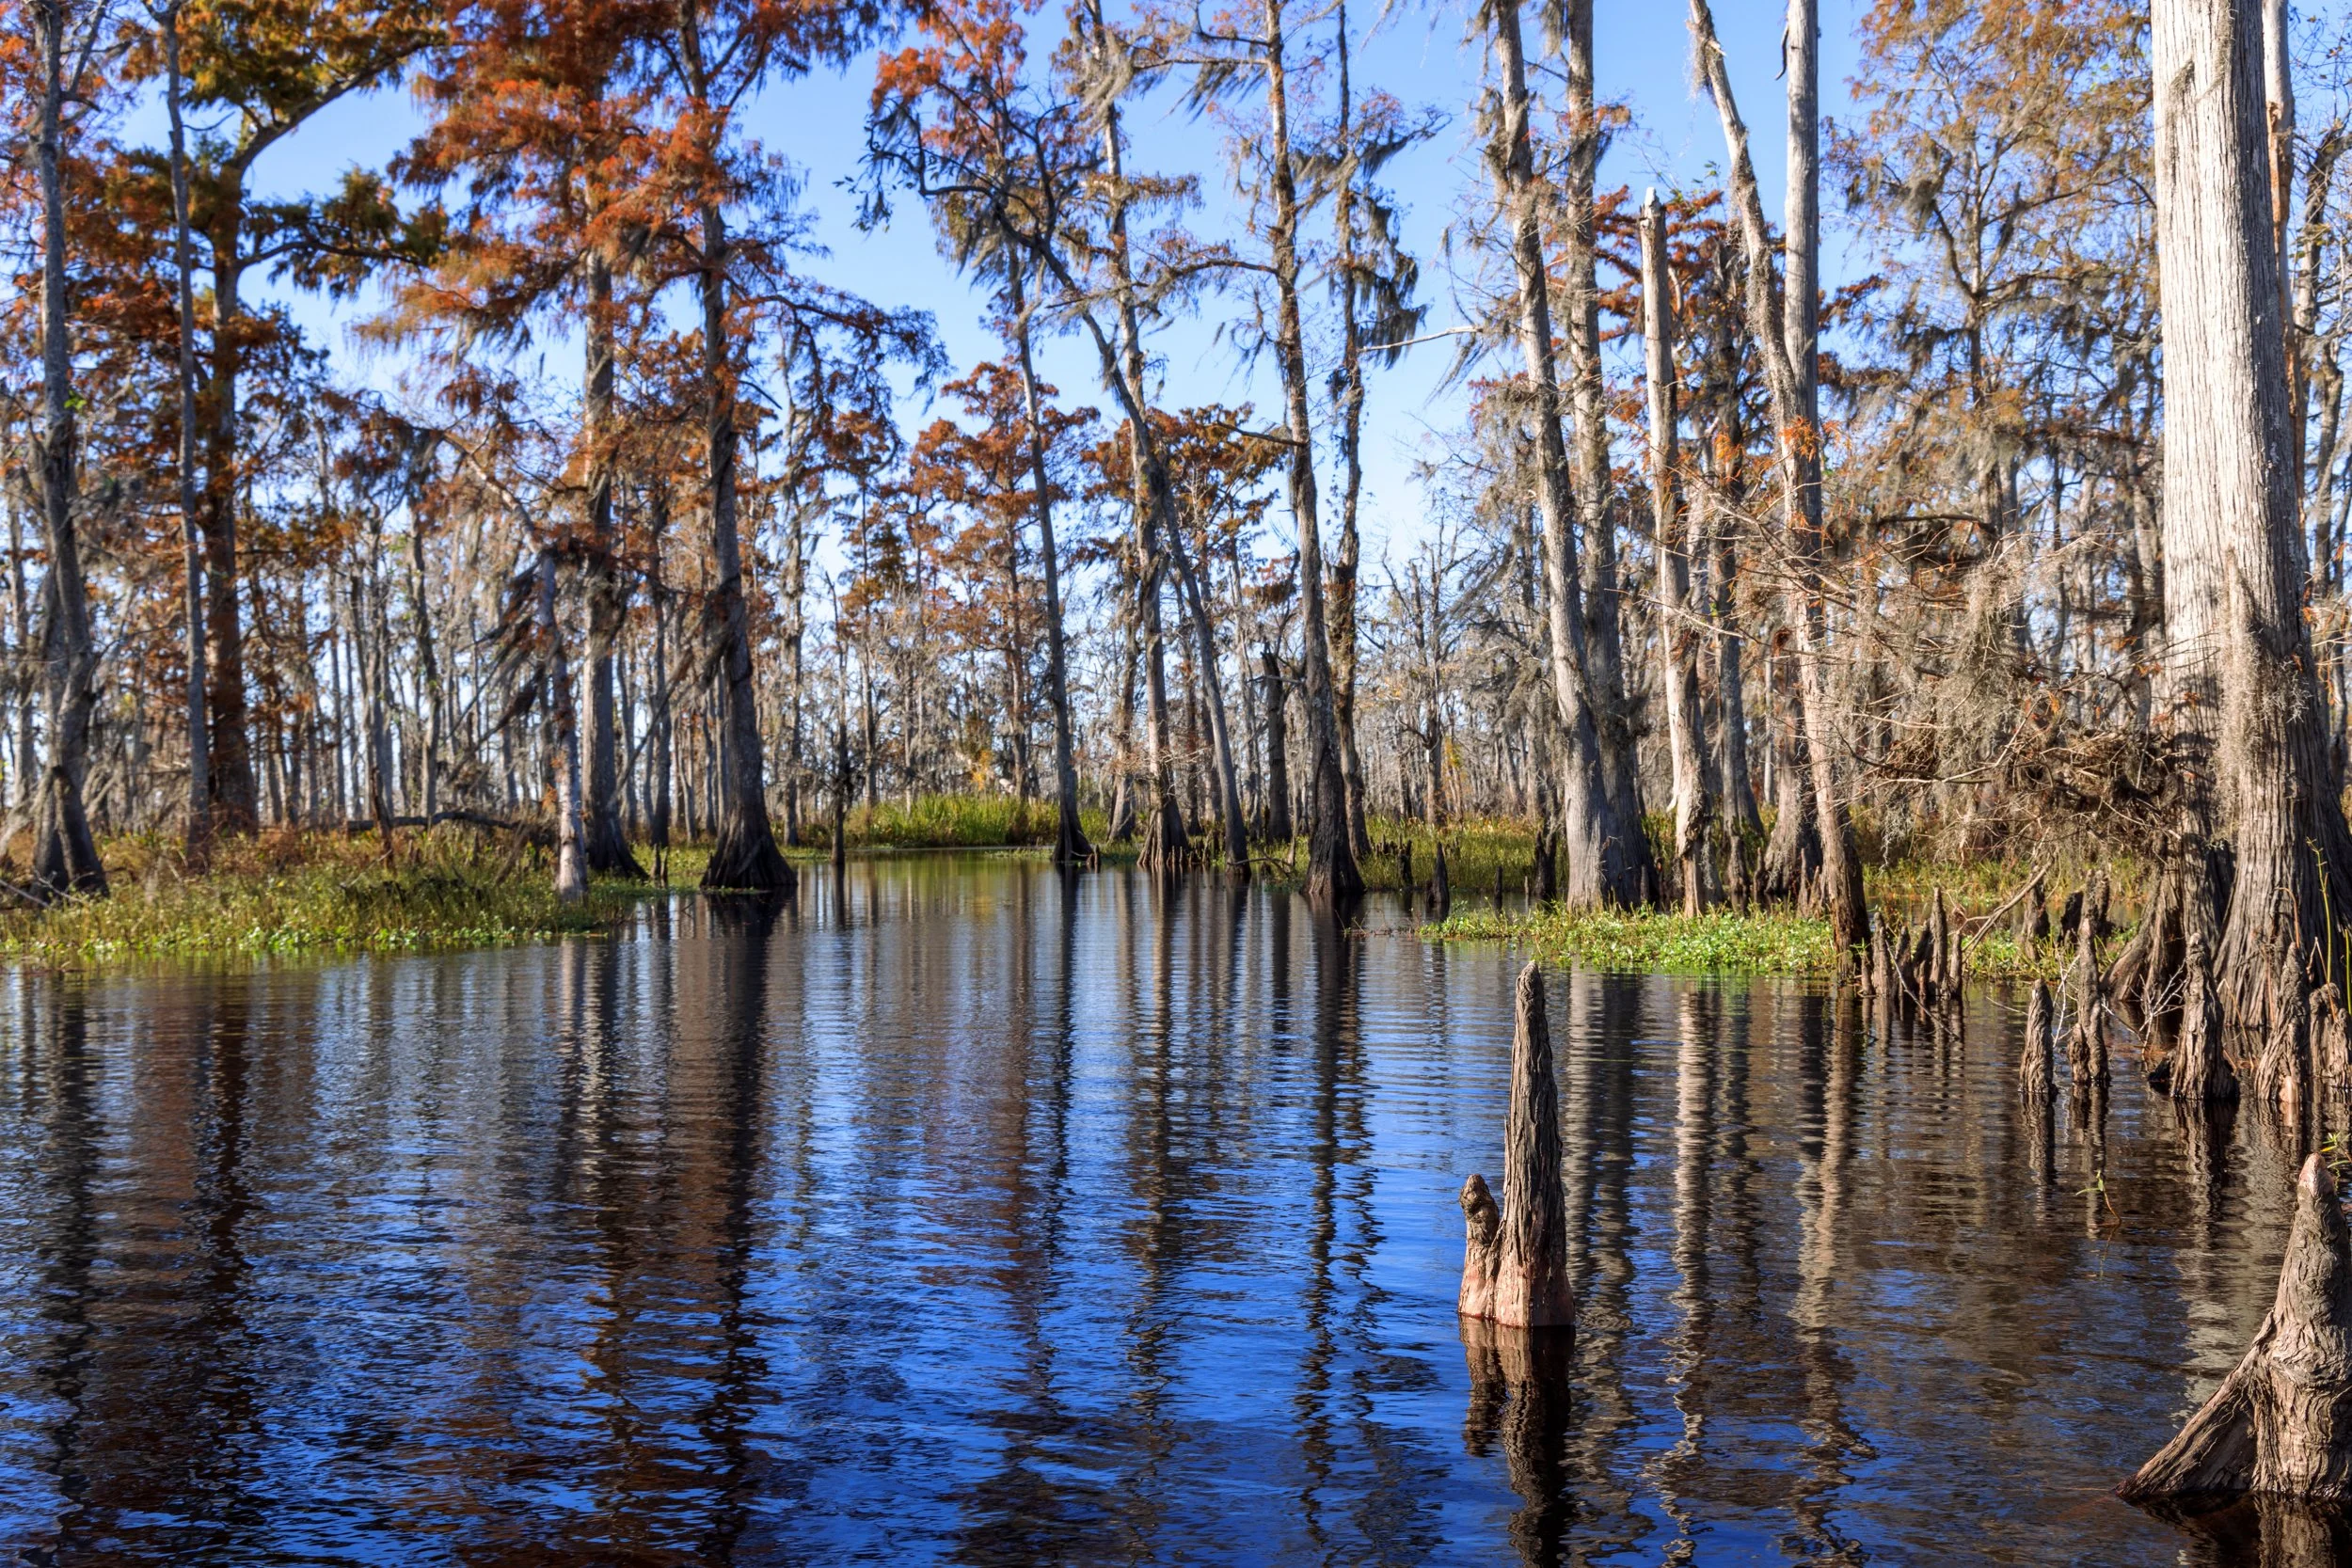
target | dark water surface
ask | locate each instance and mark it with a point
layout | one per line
(980, 1216)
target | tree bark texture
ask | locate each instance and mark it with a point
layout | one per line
(2280, 1423)
(2237, 646)
(65, 859)
(1515, 1266)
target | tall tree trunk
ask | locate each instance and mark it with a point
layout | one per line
(1785, 326)
(660, 722)
(571, 865)
(235, 788)
(2233, 551)
(1332, 874)
(1349, 388)
(1070, 840)
(1677, 628)
(429, 693)
(1605, 853)
(745, 854)
(1278, 748)
(1604, 643)
(66, 860)
(608, 842)
(199, 831)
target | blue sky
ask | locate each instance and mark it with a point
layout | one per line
(1421, 55)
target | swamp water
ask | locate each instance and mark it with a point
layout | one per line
(966, 1213)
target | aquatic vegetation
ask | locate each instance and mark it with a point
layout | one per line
(291, 892)
(1721, 941)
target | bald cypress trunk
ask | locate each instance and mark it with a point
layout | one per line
(1606, 853)
(1678, 630)
(1784, 322)
(2238, 647)
(66, 857)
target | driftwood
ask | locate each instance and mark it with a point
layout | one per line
(1514, 1265)
(2034, 1079)
(2280, 1424)
(2200, 1070)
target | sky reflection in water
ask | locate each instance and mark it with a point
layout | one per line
(970, 1214)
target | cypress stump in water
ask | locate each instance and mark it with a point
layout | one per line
(2087, 1042)
(1440, 891)
(2280, 1424)
(1515, 1267)
(2033, 1071)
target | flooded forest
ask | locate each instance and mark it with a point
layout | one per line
(1002, 782)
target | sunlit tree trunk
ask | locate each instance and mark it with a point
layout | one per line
(571, 865)
(66, 857)
(1349, 386)
(1604, 644)
(1331, 869)
(745, 855)
(199, 828)
(1678, 629)
(1604, 864)
(1785, 323)
(1070, 840)
(607, 841)
(2237, 642)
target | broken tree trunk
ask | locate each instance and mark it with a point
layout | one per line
(1515, 1267)
(2280, 1423)
(2033, 1070)
(1441, 890)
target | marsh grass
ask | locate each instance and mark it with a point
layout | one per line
(940, 822)
(1653, 942)
(287, 894)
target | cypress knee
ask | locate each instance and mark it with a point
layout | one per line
(2279, 1071)
(2033, 1070)
(2331, 1044)
(1440, 891)
(2280, 1424)
(2200, 1070)
(1517, 1262)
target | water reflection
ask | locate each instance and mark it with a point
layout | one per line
(965, 1211)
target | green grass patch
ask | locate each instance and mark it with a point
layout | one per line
(1654, 942)
(292, 894)
(1723, 941)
